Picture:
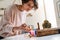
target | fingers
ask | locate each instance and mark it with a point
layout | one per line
(23, 25)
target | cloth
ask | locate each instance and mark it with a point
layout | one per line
(12, 18)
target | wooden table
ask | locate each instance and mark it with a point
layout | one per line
(47, 31)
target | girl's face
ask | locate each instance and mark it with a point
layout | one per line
(28, 6)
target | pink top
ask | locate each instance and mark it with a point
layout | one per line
(12, 18)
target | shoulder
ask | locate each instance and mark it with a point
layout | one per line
(10, 7)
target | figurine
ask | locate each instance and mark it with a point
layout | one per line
(46, 24)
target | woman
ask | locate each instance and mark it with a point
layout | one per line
(14, 18)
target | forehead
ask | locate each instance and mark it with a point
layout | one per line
(31, 3)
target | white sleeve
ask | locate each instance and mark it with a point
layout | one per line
(8, 28)
(4, 23)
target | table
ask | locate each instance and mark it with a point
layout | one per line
(47, 31)
(23, 37)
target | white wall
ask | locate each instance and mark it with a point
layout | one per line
(56, 12)
(50, 12)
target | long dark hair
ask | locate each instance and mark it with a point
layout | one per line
(35, 3)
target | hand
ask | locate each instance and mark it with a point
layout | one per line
(23, 25)
(15, 28)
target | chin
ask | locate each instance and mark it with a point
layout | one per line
(27, 10)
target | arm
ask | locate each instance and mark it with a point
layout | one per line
(5, 24)
(22, 27)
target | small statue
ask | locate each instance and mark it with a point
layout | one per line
(46, 24)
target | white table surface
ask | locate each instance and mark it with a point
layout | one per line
(25, 37)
